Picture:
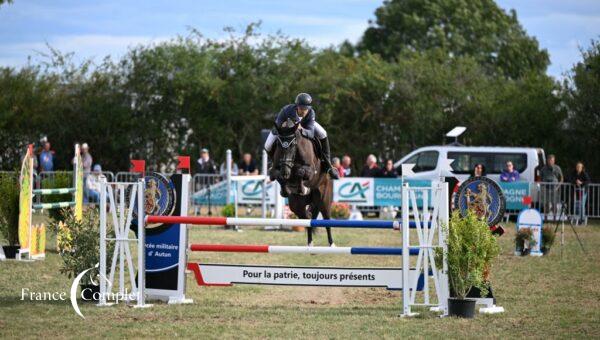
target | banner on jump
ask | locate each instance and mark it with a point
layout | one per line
(223, 274)
(362, 191)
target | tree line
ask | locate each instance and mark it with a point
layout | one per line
(413, 76)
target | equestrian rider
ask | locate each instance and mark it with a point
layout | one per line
(302, 111)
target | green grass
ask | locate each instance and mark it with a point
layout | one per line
(543, 297)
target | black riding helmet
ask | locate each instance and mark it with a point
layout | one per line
(303, 100)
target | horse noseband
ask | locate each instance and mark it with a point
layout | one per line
(286, 144)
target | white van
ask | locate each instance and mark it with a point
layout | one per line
(429, 161)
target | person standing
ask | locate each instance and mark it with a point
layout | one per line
(580, 180)
(335, 161)
(389, 171)
(371, 169)
(205, 165)
(551, 176)
(248, 165)
(479, 170)
(47, 157)
(346, 163)
(86, 158)
(509, 174)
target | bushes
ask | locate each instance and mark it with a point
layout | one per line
(9, 207)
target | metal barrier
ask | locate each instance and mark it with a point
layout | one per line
(565, 201)
(127, 176)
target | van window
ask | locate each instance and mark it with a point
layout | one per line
(494, 163)
(424, 161)
(519, 161)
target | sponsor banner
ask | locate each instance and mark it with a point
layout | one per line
(215, 194)
(362, 191)
(251, 191)
(514, 192)
(358, 191)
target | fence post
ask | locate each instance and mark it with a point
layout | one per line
(264, 184)
(228, 175)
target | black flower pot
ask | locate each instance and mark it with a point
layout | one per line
(90, 293)
(545, 250)
(462, 308)
(11, 251)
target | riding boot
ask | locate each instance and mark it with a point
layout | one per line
(270, 155)
(326, 153)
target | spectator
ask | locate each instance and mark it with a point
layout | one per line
(234, 169)
(371, 169)
(551, 176)
(580, 180)
(92, 185)
(509, 174)
(248, 165)
(47, 158)
(86, 158)
(479, 170)
(346, 163)
(335, 161)
(205, 164)
(389, 170)
(551, 173)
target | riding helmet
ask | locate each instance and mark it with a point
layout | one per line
(304, 100)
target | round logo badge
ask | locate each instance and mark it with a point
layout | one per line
(482, 196)
(159, 197)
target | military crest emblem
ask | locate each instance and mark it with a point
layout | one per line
(482, 196)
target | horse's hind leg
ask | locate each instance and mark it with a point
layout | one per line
(326, 216)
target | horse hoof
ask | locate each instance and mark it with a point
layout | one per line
(310, 244)
(332, 245)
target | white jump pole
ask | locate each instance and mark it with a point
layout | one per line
(264, 183)
(103, 277)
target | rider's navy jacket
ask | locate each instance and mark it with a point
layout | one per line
(289, 111)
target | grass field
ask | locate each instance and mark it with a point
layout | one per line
(543, 297)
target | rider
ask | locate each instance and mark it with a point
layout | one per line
(301, 111)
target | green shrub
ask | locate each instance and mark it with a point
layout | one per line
(9, 207)
(82, 247)
(548, 237)
(471, 248)
(228, 210)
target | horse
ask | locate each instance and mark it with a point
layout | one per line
(297, 166)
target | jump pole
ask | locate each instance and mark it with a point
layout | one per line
(245, 221)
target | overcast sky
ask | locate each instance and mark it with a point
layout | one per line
(109, 27)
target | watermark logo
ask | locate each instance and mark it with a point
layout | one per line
(86, 294)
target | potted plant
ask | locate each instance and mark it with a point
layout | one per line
(340, 211)
(524, 241)
(548, 236)
(9, 213)
(471, 249)
(82, 249)
(228, 211)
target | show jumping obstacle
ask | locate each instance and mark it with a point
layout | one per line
(164, 277)
(32, 238)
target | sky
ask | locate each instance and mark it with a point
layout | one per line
(94, 29)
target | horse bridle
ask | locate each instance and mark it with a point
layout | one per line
(287, 142)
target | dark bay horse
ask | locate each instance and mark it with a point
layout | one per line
(297, 166)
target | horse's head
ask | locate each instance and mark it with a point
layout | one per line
(287, 149)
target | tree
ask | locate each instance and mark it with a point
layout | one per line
(581, 97)
(477, 28)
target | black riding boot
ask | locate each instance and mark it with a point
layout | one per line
(326, 151)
